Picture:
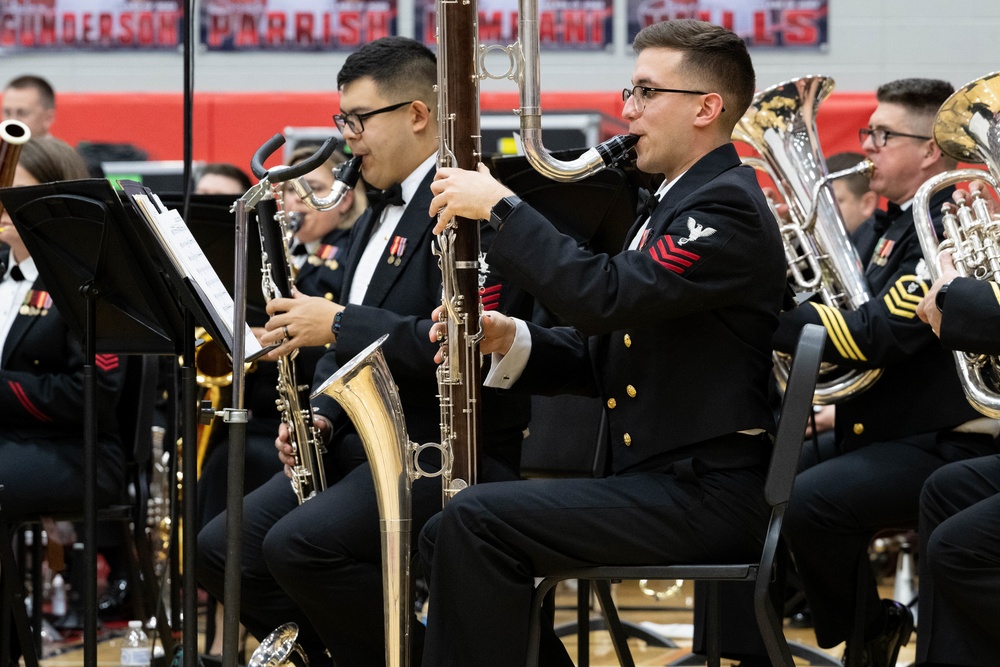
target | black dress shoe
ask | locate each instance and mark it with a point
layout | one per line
(883, 650)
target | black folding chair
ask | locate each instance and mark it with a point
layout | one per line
(795, 411)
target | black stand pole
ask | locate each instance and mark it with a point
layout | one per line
(90, 292)
(189, 464)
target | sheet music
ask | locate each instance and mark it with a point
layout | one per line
(191, 263)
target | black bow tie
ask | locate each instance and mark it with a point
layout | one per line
(884, 219)
(16, 273)
(379, 199)
(647, 204)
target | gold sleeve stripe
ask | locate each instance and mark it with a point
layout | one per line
(841, 336)
(996, 290)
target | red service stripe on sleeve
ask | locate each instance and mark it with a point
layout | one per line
(26, 402)
(492, 289)
(106, 362)
(491, 302)
(665, 256)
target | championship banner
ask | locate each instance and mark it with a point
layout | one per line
(572, 25)
(761, 23)
(29, 25)
(295, 25)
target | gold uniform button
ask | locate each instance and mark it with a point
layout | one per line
(859, 429)
(628, 440)
(630, 390)
(328, 296)
(628, 341)
(612, 403)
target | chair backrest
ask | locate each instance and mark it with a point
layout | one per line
(795, 409)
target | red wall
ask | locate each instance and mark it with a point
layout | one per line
(230, 126)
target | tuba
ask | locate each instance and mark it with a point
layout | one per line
(967, 127)
(781, 126)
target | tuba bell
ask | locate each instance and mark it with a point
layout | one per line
(967, 127)
(781, 126)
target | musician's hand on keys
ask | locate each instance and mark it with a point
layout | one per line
(927, 309)
(285, 450)
(465, 194)
(498, 333)
(303, 321)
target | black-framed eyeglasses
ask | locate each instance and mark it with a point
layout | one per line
(641, 94)
(356, 121)
(880, 136)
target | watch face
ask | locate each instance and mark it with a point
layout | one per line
(939, 298)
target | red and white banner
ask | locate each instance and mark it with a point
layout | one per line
(578, 25)
(761, 23)
(90, 24)
(295, 25)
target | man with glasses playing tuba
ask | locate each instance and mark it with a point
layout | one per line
(673, 333)
(911, 422)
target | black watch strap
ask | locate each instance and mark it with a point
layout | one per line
(502, 209)
(940, 297)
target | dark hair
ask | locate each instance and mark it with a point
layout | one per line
(227, 170)
(717, 58)
(856, 183)
(49, 160)
(399, 66)
(921, 96)
(46, 94)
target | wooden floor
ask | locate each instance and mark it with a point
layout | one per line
(670, 617)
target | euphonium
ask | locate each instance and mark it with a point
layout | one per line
(781, 126)
(967, 127)
(13, 135)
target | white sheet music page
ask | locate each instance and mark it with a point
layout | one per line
(191, 262)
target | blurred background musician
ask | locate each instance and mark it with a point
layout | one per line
(911, 422)
(221, 178)
(319, 564)
(41, 376)
(321, 237)
(31, 100)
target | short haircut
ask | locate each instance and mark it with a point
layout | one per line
(856, 183)
(227, 170)
(399, 66)
(46, 94)
(920, 96)
(49, 160)
(717, 59)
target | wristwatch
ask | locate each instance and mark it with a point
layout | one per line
(335, 328)
(502, 209)
(939, 298)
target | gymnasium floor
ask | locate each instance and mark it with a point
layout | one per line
(668, 616)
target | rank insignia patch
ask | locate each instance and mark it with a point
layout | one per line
(903, 297)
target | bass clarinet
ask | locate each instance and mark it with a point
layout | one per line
(308, 476)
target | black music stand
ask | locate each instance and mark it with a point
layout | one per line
(118, 289)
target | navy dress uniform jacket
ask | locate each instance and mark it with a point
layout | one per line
(322, 274)
(918, 391)
(971, 316)
(674, 338)
(42, 413)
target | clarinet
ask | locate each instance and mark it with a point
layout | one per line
(308, 475)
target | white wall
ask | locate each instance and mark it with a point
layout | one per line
(870, 42)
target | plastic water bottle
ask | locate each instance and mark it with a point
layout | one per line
(135, 646)
(58, 596)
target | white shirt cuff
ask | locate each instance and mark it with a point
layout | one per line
(505, 369)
